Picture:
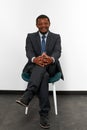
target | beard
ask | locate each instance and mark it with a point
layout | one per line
(44, 32)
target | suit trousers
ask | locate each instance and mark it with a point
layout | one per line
(38, 84)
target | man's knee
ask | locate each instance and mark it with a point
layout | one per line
(46, 75)
(51, 69)
(39, 70)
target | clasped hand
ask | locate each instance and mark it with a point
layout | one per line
(43, 60)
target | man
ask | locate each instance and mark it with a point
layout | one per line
(43, 49)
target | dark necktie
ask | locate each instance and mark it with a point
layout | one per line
(43, 44)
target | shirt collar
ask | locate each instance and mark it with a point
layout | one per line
(42, 34)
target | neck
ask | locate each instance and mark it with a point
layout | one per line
(44, 32)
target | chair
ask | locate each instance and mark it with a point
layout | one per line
(56, 77)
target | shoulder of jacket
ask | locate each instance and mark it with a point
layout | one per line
(32, 34)
(54, 34)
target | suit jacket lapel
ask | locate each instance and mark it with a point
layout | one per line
(38, 43)
(49, 41)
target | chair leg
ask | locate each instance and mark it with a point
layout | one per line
(26, 110)
(55, 98)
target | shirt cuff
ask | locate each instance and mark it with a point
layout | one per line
(32, 59)
(53, 59)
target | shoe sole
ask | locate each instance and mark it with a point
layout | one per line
(45, 127)
(19, 102)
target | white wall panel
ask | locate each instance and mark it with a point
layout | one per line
(68, 18)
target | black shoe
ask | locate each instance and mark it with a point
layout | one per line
(44, 122)
(22, 102)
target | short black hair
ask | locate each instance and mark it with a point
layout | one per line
(42, 16)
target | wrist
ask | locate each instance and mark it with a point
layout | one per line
(53, 60)
(32, 60)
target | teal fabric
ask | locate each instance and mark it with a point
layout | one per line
(56, 77)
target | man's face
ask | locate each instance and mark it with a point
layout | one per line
(43, 25)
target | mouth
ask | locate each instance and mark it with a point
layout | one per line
(44, 29)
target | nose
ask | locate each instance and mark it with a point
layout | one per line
(43, 25)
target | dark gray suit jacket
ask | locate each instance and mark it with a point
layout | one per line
(33, 48)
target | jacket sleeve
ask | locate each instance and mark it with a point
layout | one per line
(29, 48)
(57, 48)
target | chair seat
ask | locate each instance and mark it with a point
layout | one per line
(56, 77)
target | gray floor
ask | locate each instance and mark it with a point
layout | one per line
(72, 113)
